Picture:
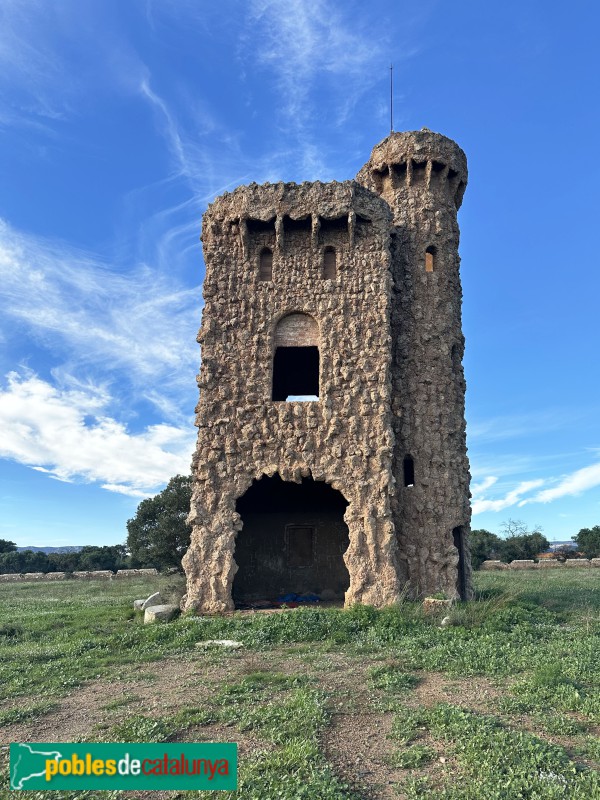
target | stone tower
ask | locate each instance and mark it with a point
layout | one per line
(331, 453)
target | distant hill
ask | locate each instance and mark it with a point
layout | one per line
(68, 549)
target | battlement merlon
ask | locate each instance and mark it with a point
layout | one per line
(416, 159)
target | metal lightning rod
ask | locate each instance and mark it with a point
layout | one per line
(391, 98)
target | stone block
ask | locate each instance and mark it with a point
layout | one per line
(229, 644)
(549, 563)
(33, 576)
(523, 564)
(154, 600)
(577, 562)
(9, 577)
(491, 565)
(81, 575)
(135, 573)
(595, 562)
(431, 605)
(139, 605)
(163, 613)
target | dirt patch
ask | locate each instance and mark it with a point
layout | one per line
(357, 747)
(475, 693)
(174, 684)
(356, 743)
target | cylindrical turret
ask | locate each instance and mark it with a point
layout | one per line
(422, 176)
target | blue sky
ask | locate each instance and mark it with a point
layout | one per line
(119, 122)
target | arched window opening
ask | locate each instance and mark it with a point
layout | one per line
(296, 359)
(429, 259)
(461, 578)
(265, 270)
(329, 263)
(409, 471)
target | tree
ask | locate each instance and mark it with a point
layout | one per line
(7, 547)
(159, 535)
(111, 557)
(521, 543)
(10, 562)
(588, 541)
(64, 562)
(24, 561)
(483, 545)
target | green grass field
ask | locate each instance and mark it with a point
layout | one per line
(325, 704)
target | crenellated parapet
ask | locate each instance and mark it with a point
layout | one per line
(282, 215)
(417, 160)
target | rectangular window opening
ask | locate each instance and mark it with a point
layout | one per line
(418, 172)
(296, 373)
(409, 471)
(299, 545)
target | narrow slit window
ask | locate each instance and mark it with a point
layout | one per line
(265, 267)
(329, 263)
(429, 259)
(409, 471)
(456, 358)
(461, 577)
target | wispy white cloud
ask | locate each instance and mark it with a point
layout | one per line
(169, 125)
(28, 68)
(140, 325)
(305, 50)
(574, 484)
(516, 475)
(515, 426)
(478, 489)
(203, 151)
(302, 42)
(68, 435)
(511, 498)
(491, 494)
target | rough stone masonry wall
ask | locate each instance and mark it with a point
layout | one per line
(103, 574)
(344, 439)
(422, 175)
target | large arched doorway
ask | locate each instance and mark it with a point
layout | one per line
(293, 541)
